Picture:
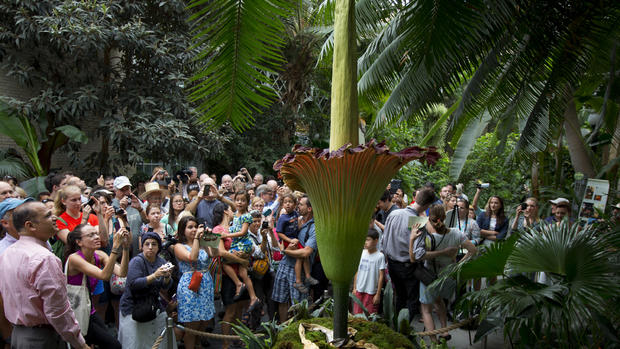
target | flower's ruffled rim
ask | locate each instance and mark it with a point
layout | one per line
(428, 155)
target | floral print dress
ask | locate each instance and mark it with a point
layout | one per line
(241, 243)
(195, 306)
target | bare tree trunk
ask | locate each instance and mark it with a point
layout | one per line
(577, 148)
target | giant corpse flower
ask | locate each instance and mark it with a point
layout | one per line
(344, 186)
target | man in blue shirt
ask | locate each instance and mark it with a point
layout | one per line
(283, 291)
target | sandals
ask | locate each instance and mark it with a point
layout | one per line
(257, 303)
(300, 287)
(240, 293)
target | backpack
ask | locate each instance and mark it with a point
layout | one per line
(58, 247)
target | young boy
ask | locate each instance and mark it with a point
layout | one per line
(288, 229)
(370, 275)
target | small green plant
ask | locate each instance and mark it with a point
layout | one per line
(263, 340)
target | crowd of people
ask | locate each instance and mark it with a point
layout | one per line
(104, 266)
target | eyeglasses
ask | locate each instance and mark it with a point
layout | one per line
(91, 235)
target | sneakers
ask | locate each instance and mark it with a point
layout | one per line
(300, 287)
(311, 281)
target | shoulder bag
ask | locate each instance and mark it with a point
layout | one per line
(79, 299)
(145, 306)
(421, 272)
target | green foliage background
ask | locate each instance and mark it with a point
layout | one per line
(484, 164)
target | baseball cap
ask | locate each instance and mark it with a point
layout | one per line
(559, 201)
(11, 204)
(121, 181)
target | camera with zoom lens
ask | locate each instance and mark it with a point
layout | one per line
(183, 175)
(169, 240)
(523, 206)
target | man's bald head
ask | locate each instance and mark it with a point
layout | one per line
(25, 212)
(273, 185)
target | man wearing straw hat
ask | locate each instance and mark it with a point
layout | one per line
(154, 195)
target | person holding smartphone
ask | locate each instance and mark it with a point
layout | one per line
(128, 202)
(196, 307)
(84, 258)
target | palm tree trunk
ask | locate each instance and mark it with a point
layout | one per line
(577, 148)
(344, 118)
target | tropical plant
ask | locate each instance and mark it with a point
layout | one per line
(572, 308)
(240, 44)
(519, 61)
(117, 66)
(263, 340)
(30, 136)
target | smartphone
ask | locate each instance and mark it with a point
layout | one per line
(90, 202)
(117, 225)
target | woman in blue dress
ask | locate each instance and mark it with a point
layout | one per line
(195, 307)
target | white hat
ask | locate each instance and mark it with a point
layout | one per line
(152, 187)
(121, 182)
(559, 201)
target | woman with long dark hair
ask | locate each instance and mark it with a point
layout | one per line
(177, 205)
(84, 257)
(195, 308)
(493, 222)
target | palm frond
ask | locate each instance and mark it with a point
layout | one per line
(239, 42)
(12, 164)
(466, 144)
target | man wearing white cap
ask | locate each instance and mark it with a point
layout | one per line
(125, 199)
(560, 209)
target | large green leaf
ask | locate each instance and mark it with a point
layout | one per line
(11, 126)
(239, 42)
(73, 133)
(12, 164)
(23, 133)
